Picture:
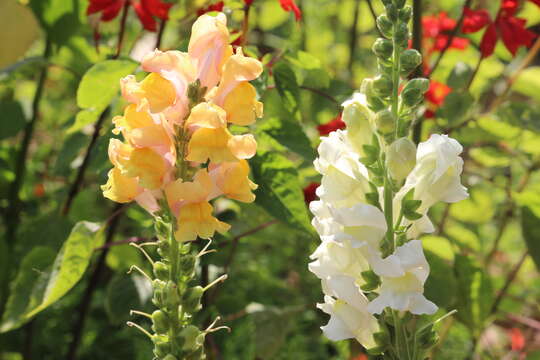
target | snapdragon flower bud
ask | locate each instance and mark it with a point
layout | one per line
(383, 48)
(400, 3)
(385, 25)
(410, 59)
(401, 35)
(413, 93)
(401, 158)
(405, 14)
(382, 86)
(160, 322)
(385, 122)
(392, 12)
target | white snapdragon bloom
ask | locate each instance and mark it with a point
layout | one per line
(349, 317)
(333, 258)
(359, 120)
(436, 176)
(405, 293)
(363, 223)
(344, 181)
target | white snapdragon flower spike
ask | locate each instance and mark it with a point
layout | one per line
(349, 317)
(344, 181)
(333, 258)
(405, 293)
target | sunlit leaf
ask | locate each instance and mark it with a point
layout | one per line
(530, 227)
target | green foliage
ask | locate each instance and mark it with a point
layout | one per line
(530, 226)
(98, 87)
(279, 190)
(66, 270)
(287, 87)
(289, 132)
(13, 119)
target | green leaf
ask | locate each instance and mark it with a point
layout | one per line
(98, 87)
(530, 228)
(67, 269)
(59, 18)
(279, 190)
(287, 86)
(289, 133)
(456, 106)
(125, 293)
(441, 284)
(13, 119)
(32, 267)
(520, 114)
(477, 209)
(528, 82)
(475, 293)
(409, 206)
(460, 76)
(309, 70)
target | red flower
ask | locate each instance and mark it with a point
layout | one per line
(509, 28)
(248, 2)
(537, 2)
(437, 92)
(309, 192)
(437, 31)
(333, 125)
(212, 7)
(147, 10)
(290, 5)
(517, 340)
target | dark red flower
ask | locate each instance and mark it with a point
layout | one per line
(109, 8)
(474, 20)
(517, 340)
(309, 192)
(437, 92)
(212, 7)
(248, 2)
(290, 5)
(537, 2)
(507, 27)
(333, 125)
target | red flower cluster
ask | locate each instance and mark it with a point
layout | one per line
(333, 125)
(435, 96)
(147, 10)
(517, 340)
(309, 192)
(212, 7)
(437, 30)
(506, 26)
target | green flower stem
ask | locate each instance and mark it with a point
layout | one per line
(173, 277)
(388, 211)
(396, 68)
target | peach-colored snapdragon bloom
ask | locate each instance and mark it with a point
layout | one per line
(177, 148)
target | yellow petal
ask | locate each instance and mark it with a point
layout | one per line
(242, 106)
(208, 46)
(159, 92)
(120, 188)
(206, 143)
(232, 179)
(207, 115)
(191, 191)
(148, 166)
(243, 146)
(196, 220)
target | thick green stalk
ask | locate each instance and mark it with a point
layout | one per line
(173, 278)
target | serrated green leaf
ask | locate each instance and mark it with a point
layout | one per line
(289, 133)
(287, 86)
(279, 190)
(67, 269)
(530, 228)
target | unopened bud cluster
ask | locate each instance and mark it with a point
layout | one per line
(375, 193)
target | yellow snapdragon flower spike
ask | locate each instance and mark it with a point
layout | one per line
(120, 188)
(232, 180)
(139, 128)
